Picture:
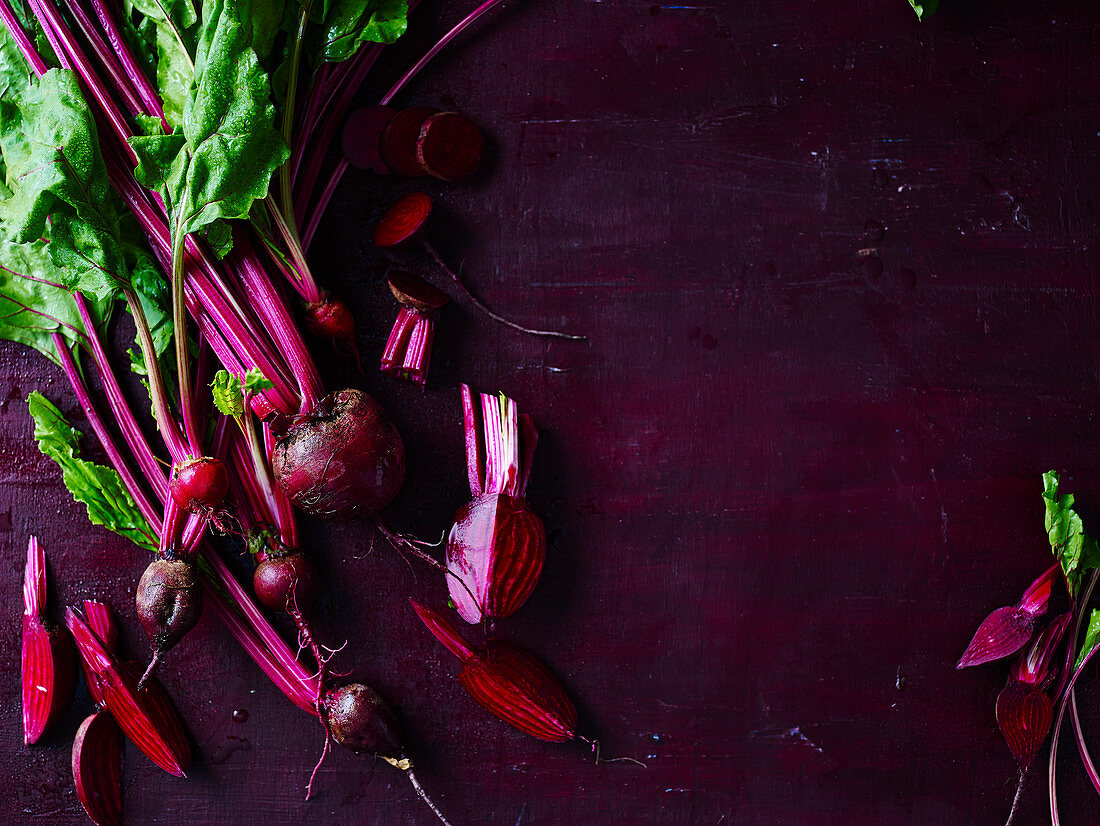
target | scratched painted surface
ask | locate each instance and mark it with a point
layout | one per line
(836, 271)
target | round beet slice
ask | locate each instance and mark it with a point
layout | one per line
(450, 146)
(403, 220)
(362, 137)
(399, 140)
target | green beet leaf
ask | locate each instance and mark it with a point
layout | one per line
(221, 158)
(54, 170)
(172, 39)
(924, 8)
(348, 24)
(1092, 638)
(99, 488)
(1075, 550)
(33, 306)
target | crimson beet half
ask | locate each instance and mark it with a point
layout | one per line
(343, 461)
(497, 546)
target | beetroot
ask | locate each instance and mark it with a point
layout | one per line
(497, 546)
(360, 720)
(199, 485)
(399, 139)
(330, 318)
(344, 461)
(287, 582)
(169, 603)
(449, 146)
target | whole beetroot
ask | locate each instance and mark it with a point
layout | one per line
(344, 461)
(169, 603)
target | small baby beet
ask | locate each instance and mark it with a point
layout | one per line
(169, 603)
(330, 318)
(288, 581)
(449, 146)
(344, 461)
(199, 484)
(360, 720)
(398, 144)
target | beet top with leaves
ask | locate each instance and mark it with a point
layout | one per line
(1042, 680)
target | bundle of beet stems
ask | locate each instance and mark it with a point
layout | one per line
(159, 160)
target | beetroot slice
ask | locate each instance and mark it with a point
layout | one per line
(450, 146)
(362, 137)
(413, 291)
(399, 139)
(403, 220)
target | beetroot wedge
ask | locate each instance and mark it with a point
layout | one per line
(97, 768)
(147, 716)
(497, 546)
(48, 661)
(508, 682)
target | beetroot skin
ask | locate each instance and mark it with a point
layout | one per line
(286, 582)
(360, 720)
(199, 484)
(345, 461)
(169, 601)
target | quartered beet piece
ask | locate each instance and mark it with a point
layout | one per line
(508, 682)
(97, 768)
(48, 661)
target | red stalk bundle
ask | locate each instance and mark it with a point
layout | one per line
(497, 546)
(409, 347)
(48, 663)
(508, 682)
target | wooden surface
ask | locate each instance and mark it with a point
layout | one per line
(836, 270)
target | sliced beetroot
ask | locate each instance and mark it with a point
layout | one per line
(403, 220)
(102, 622)
(145, 715)
(413, 291)
(362, 137)
(399, 139)
(1001, 634)
(409, 346)
(497, 547)
(1024, 715)
(508, 682)
(97, 768)
(47, 661)
(449, 146)
(344, 461)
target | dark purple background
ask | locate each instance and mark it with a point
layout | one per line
(836, 267)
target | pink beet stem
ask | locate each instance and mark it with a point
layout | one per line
(1037, 596)
(1082, 746)
(34, 580)
(475, 456)
(443, 631)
